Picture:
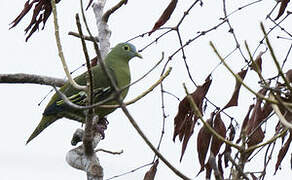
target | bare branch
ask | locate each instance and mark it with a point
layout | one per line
(110, 152)
(61, 55)
(88, 38)
(112, 10)
(31, 79)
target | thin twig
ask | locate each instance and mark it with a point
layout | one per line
(236, 166)
(61, 55)
(85, 37)
(163, 159)
(88, 133)
(131, 171)
(109, 152)
(107, 14)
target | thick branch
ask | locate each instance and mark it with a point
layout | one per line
(31, 79)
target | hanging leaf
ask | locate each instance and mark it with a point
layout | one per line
(289, 75)
(227, 149)
(165, 16)
(185, 119)
(42, 11)
(283, 6)
(220, 168)
(255, 132)
(203, 142)
(257, 137)
(283, 152)
(208, 171)
(189, 129)
(150, 175)
(220, 128)
(253, 176)
(245, 122)
(234, 98)
(258, 62)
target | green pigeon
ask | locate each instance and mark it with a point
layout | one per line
(117, 62)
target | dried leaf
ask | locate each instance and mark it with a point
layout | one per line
(27, 7)
(185, 119)
(41, 13)
(227, 149)
(231, 132)
(89, 3)
(253, 176)
(220, 168)
(234, 98)
(259, 113)
(184, 110)
(255, 132)
(289, 75)
(283, 152)
(257, 137)
(150, 175)
(208, 171)
(245, 122)
(203, 142)
(283, 6)
(220, 128)
(258, 62)
(165, 16)
(189, 129)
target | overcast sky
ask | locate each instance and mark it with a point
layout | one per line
(44, 157)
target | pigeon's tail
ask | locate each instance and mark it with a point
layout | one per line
(45, 122)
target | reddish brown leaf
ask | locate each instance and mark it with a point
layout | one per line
(189, 129)
(208, 171)
(231, 133)
(258, 62)
(203, 141)
(183, 111)
(220, 168)
(89, 3)
(27, 7)
(260, 113)
(185, 119)
(289, 75)
(165, 16)
(256, 137)
(225, 153)
(283, 6)
(253, 176)
(42, 11)
(150, 175)
(227, 149)
(220, 128)
(283, 152)
(245, 122)
(254, 131)
(234, 98)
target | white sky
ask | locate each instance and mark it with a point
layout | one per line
(44, 157)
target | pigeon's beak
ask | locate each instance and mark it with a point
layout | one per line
(139, 55)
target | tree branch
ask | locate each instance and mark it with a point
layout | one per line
(61, 55)
(31, 79)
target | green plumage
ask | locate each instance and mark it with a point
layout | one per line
(117, 61)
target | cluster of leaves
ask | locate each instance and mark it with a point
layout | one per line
(251, 132)
(41, 12)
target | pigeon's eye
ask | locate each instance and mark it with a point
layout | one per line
(126, 48)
